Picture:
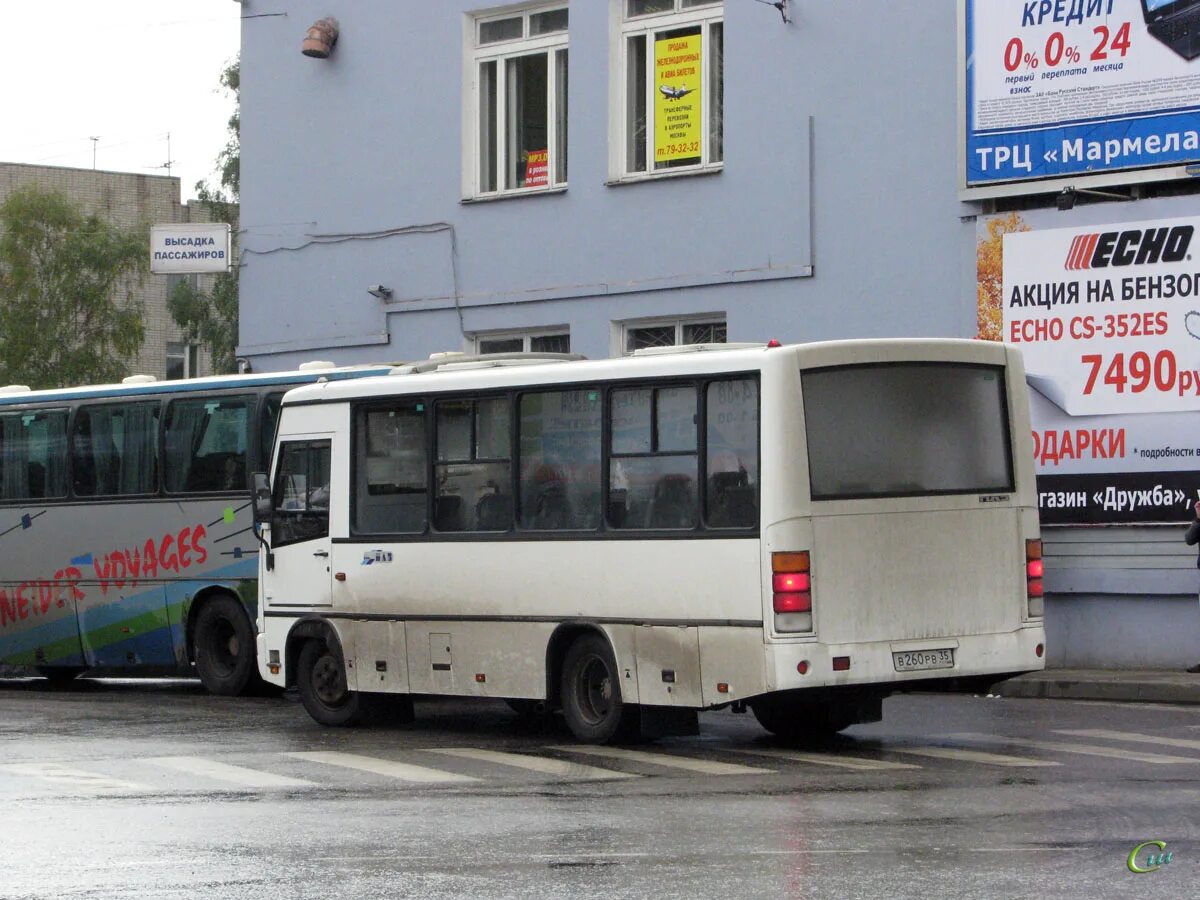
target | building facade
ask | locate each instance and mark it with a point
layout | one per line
(131, 200)
(605, 175)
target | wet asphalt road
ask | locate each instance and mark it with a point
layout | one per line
(156, 790)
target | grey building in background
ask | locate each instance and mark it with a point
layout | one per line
(131, 201)
(457, 177)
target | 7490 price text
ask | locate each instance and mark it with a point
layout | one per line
(1139, 372)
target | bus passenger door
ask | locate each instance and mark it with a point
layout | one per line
(300, 525)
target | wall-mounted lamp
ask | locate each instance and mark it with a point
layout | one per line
(1067, 196)
(380, 292)
(321, 37)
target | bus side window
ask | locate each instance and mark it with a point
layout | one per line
(206, 440)
(559, 447)
(653, 463)
(473, 470)
(268, 420)
(34, 448)
(731, 442)
(114, 450)
(391, 471)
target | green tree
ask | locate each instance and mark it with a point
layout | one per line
(67, 311)
(211, 317)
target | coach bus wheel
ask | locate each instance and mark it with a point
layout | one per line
(321, 678)
(224, 647)
(591, 694)
(791, 720)
(59, 676)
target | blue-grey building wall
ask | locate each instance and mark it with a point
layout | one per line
(839, 148)
(835, 215)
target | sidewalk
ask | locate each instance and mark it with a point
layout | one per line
(1146, 686)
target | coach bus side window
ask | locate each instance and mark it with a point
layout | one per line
(114, 450)
(473, 470)
(33, 455)
(301, 493)
(391, 469)
(206, 442)
(731, 447)
(267, 421)
(652, 468)
(559, 447)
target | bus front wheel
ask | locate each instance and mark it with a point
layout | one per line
(591, 694)
(223, 647)
(321, 679)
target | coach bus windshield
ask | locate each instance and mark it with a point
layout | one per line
(906, 429)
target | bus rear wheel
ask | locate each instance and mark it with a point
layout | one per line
(794, 720)
(591, 694)
(60, 676)
(223, 647)
(321, 679)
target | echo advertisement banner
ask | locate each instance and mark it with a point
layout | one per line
(1107, 318)
(1071, 87)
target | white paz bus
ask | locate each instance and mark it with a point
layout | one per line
(800, 529)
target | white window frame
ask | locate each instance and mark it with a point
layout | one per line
(190, 356)
(622, 29)
(475, 55)
(526, 336)
(621, 330)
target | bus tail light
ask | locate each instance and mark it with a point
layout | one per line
(791, 588)
(1034, 568)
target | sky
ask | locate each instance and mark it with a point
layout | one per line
(128, 72)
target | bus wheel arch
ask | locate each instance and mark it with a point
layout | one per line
(589, 688)
(556, 651)
(316, 666)
(220, 642)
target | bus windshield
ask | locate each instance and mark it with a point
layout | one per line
(909, 429)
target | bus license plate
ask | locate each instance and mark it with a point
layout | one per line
(915, 660)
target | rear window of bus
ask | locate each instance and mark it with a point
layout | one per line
(906, 429)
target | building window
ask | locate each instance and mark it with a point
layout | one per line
(674, 332)
(669, 102)
(524, 342)
(182, 360)
(518, 79)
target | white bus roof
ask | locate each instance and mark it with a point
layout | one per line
(17, 395)
(452, 372)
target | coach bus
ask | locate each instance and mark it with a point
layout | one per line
(126, 538)
(797, 529)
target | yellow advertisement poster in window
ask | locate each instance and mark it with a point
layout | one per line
(677, 98)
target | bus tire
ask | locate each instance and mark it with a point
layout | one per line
(790, 720)
(321, 680)
(590, 693)
(223, 647)
(60, 676)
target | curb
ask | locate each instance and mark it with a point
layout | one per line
(1164, 689)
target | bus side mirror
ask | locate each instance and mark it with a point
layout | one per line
(262, 498)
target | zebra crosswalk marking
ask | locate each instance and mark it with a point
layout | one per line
(990, 759)
(66, 777)
(703, 766)
(542, 764)
(219, 771)
(1087, 749)
(398, 770)
(836, 760)
(1133, 737)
